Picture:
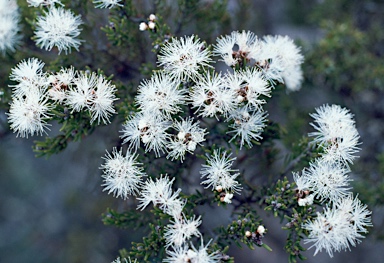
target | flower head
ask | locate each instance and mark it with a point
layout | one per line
(248, 125)
(336, 133)
(181, 229)
(184, 57)
(328, 180)
(28, 113)
(36, 3)
(211, 97)
(160, 95)
(58, 27)
(107, 3)
(188, 136)
(9, 25)
(121, 174)
(236, 47)
(148, 128)
(218, 172)
(338, 226)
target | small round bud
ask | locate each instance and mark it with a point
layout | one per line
(151, 25)
(219, 188)
(260, 230)
(181, 135)
(143, 26)
(152, 17)
(248, 233)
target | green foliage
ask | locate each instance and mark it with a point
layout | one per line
(345, 61)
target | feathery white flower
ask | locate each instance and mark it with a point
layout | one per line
(36, 3)
(58, 27)
(328, 180)
(160, 95)
(121, 174)
(184, 254)
(107, 3)
(28, 114)
(339, 227)
(236, 47)
(9, 25)
(29, 73)
(279, 59)
(211, 97)
(355, 212)
(81, 93)
(101, 104)
(336, 133)
(218, 172)
(249, 85)
(180, 230)
(189, 135)
(247, 125)
(148, 128)
(183, 58)
(160, 193)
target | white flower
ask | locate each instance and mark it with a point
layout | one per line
(201, 255)
(9, 25)
(81, 93)
(279, 59)
(121, 174)
(355, 212)
(247, 125)
(160, 193)
(160, 95)
(189, 135)
(249, 85)
(149, 128)
(236, 47)
(336, 133)
(338, 227)
(29, 73)
(28, 114)
(218, 172)
(211, 97)
(101, 104)
(107, 3)
(178, 254)
(36, 3)
(59, 27)
(89, 91)
(181, 230)
(183, 58)
(184, 254)
(328, 180)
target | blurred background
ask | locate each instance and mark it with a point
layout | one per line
(50, 208)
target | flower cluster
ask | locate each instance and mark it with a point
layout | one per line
(37, 93)
(327, 180)
(277, 57)
(9, 27)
